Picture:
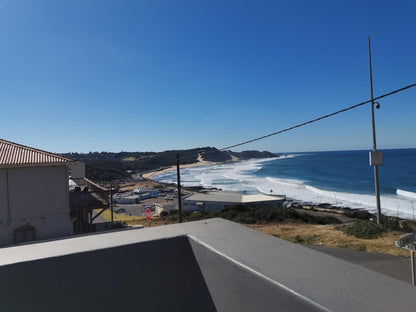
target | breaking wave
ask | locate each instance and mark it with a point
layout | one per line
(406, 194)
(241, 177)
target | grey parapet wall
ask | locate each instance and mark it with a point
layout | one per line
(210, 265)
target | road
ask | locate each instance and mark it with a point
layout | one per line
(394, 266)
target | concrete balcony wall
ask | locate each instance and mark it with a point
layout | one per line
(160, 275)
(234, 287)
(211, 265)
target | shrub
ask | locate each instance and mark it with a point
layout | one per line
(365, 229)
(250, 214)
(164, 214)
(306, 239)
(198, 215)
(357, 214)
(371, 230)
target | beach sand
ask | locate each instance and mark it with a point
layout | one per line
(147, 177)
(201, 162)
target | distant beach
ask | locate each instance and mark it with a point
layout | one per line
(341, 179)
(201, 162)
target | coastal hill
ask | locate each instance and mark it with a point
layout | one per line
(106, 166)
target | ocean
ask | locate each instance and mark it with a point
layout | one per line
(340, 178)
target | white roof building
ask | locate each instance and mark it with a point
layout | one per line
(143, 190)
(220, 200)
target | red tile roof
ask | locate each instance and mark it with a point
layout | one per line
(13, 154)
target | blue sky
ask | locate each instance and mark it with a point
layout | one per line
(154, 75)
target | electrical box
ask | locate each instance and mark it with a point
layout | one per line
(376, 158)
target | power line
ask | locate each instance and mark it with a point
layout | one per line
(307, 122)
(317, 119)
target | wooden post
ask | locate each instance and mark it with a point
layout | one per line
(412, 263)
(178, 173)
(111, 203)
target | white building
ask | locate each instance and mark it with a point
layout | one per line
(126, 199)
(143, 190)
(135, 196)
(34, 196)
(214, 201)
(159, 208)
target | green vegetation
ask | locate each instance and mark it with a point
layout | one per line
(357, 214)
(251, 214)
(105, 166)
(350, 246)
(370, 229)
(306, 239)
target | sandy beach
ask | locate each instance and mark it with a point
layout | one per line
(201, 162)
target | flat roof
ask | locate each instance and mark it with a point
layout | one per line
(233, 197)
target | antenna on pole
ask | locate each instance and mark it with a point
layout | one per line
(376, 157)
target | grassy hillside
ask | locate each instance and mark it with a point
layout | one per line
(105, 166)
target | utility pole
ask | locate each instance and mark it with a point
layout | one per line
(111, 203)
(178, 173)
(376, 158)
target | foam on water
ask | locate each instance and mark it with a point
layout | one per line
(240, 177)
(406, 194)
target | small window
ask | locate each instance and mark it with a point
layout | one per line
(25, 233)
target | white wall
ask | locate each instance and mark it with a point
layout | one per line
(3, 198)
(159, 208)
(191, 205)
(35, 196)
(76, 170)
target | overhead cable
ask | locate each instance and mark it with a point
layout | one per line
(306, 123)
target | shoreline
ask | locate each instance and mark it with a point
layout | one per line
(200, 163)
(307, 195)
(334, 203)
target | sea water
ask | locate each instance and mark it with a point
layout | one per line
(341, 178)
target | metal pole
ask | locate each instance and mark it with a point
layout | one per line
(111, 203)
(376, 184)
(178, 172)
(412, 264)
